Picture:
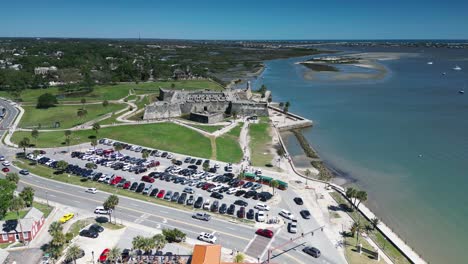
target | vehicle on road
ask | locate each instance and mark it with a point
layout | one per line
(24, 172)
(207, 237)
(202, 216)
(305, 214)
(101, 210)
(65, 218)
(314, 252)
(91, 190)
(265, 232)
(298, 201)
(89, 233)
(286, 214)
(6, 163)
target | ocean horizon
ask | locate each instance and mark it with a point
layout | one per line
(402, 138)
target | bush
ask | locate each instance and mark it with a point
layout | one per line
(46, 100)
(174, 235)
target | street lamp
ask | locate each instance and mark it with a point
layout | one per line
(92, 253)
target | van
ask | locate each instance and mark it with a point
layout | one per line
(101, 210)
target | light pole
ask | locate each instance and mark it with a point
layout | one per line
(92, 253)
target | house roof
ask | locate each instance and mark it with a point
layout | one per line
(27, 222)
(206, 254)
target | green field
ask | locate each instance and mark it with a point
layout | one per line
(260, 143)
(164, 136)
(41, 207)
(118, 91)
(209, 129)
(65, 114)
(227, 146)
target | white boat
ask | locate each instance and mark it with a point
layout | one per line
(461, 92)
(457, 68)
(430, 63)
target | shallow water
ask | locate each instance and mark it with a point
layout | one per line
(375, 132)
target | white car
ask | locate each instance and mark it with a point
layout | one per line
(261, 216)
(6, 163)
(169, 156)
(2, 158)
(207, 237)
(103, 178)
(292, 226)
(231, 191)
(206, 205)
(262, 207)
(101, 210)
(91, 190)
(286, 214)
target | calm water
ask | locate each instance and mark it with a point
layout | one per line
(374, 131)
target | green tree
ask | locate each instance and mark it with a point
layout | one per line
(362, 197)
(105, 103)
(7, 189)
(46, 100)
(239, 258)
(356, 229)
(145, 154)
(55, 228)
(73, 253)
(351, 194)
(274, 184)
(96, 127)
(16, 205)
(35, 135)
(137, 243)
(81, 113)
(24, 143)
(67, 133)
(90, 165)
(83, 102)
(94, 143)
(12, 177)
(110, 203)
(114, 255)
(62, 165)
(159, 241)
(69, 236)
(118, 147)
(174, 235)
(374, 222)
(27, 194)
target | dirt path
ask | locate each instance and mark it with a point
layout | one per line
(213, 147)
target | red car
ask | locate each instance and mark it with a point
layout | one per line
(116, 180)
(127, 185)
(265, 232)
(5, 169)
(103, 256)
(147, 179)
(161, 194)
(154, 163)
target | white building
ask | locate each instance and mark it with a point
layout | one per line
(44, 70)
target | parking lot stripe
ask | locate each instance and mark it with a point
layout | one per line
(250, 242)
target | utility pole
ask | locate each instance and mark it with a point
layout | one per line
(270, 250)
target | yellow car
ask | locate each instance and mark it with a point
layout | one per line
(66, 217)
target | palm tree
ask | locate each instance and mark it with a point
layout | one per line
(114, 254)
(83, 102)
(118, 147)
(362, 197)
(351, 193)
(147, 244)
(274, 184)
(159, 241)
(96, 127)
(137, 243)
(375, 222)
(24, 143)
(82, 113)
(68, 133)
(94, 143)
(105, 103)
(73, 253)
(12, 177)
(16, 204)
(55, 228)
(27, 194)
(356, 229)
(35, 135)
(239, 258)
(110, 203)
(145, 154)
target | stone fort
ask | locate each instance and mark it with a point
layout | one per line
(206, 106)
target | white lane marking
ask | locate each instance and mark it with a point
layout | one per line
(250, 242)
(136, 205)
(164, 212)
(51, 195)
(269, 244)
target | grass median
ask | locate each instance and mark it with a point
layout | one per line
(47, 172)
(260, 143)
(163, 136)
(227, 146)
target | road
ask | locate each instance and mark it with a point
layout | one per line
(230, 235)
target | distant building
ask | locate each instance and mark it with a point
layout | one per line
(16, 67)
(44, 70)
(30, 224)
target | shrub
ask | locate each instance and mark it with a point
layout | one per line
(46, 100)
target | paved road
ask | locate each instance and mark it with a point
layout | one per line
(230, 235)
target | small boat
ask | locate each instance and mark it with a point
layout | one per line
(430, 63)
(461, 92)
(444, 73)
(457, 68)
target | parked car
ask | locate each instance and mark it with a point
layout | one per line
(264, 232)
(207, 237)
(241, 203)
(292, 226)
(202, 216)
(241, 212)
(154, 192)
(133, 186)
(305, 214)
(217, 195)
(188, 190)
(314, 252)
(140, 187)
(286, 214)
(262, 207)
(231, 209)
(261, 216)
(223, 208)
(298, 201)
(89, 233)
(103, 256)
(5, 169)
(96, 227)
(161, 194)
(65, 218)
(199, 202)
(250, 214)
(175, 197)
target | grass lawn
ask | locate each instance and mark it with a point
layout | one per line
(41, 207)
(44, 208)
(390, 250)
(260, 143)
(65, 114)
(164, 136)
(209, 129)
(227, 146)
(352, 256)
(112, 226)
(47, 172)
(13, 216)
(118, 91)
(5, 245)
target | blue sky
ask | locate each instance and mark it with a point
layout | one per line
(239, 19)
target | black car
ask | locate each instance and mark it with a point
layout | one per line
(154, 192)
(217, 195)
(241, 203)
(89, 233)
(134, 186)
(231, 209)
(175, 197)
(125, 255)
(187, 159)
(239, 192)
(193, 167)
(190, 200)
(223, 208)
(305, 214)
(247, 185)
(314, 252)
(178, 162)
(214, 206)
(97, 228)
(250, 194)
(192, 161)
(199, 162)
(241, 212)
(182, 198)
(198, 202)
(298, 201)
(140, 187)
(250, 214)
